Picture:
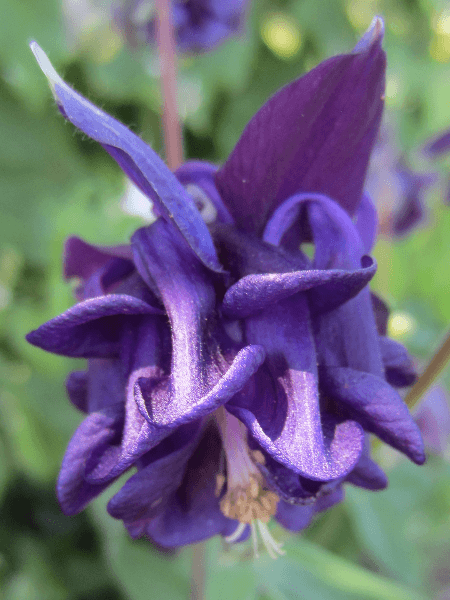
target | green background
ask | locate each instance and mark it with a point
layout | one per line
(55, 182)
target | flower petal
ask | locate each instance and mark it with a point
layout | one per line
(147, 492)
(201, 379)
(315, 135)
(76, 385)
(377, 406)
(140, 163)
(91, 328)
(283, 412)
(193, 513)
(97, 431)
(399, 366)
(367, 223)
(82, 259)
(329, 289)
(367, 474)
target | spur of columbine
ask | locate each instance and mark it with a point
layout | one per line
(239, 376)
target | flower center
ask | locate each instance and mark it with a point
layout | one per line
(247, 499)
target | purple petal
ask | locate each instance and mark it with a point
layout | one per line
(90, 328)
(291, 487)
(193, 513)
(294, 518)
(283, 412)
(438, 146)
(349, 332)
(140, 163)
(399, 366)
(200, 378)
(82, 259)
(147, 492)
(377, 406)
(326, 501)
(367, 223)
(76, 385)
(367, 474)
(433, 418)
(142, 350)
(314, 135)
(330, 289)
(96, 432)
(381, 313)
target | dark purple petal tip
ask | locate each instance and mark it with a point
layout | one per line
(142, 165)
(314, 135)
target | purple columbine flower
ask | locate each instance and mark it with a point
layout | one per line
(398, 191)
(199, 25)
(239, 376)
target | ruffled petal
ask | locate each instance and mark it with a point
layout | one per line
(143, 350)
(140, 163)
(201, 379)
(95, 433)
(399, 366)
(316, 135)
(192, 514)
(329, 289)
(283, 411)
(377, 406)
(147, 492)
(91, 328)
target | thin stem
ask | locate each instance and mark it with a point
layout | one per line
(432, 371)
(198, 572)
(168, 66)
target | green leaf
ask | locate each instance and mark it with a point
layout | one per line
(309, 571)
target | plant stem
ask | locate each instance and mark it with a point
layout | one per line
(432, 371)
(168, 66)
(198, 572)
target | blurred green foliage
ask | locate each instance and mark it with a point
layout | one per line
(53, 182)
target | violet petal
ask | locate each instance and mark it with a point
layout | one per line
(283, 413)
(90, 328)
(399, 366)
(314, 135)
(95, 432)
(330, 288)
(377, 406)
(140, 163)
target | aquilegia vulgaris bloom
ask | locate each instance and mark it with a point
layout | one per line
(199, 24)
(238, 376)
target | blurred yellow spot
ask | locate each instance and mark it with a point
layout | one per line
(440, 44)
(442, 24)
(281, 34)
(103, 43)
(361, 12)
(392, 89)
(400, 323)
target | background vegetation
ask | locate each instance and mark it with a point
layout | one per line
(53, 182)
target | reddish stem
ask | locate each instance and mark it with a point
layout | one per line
(429, 376)
(168, 66)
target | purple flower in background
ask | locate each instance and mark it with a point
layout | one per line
(398, 191)
(433, 418)
(199, 24)
(238, 376)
